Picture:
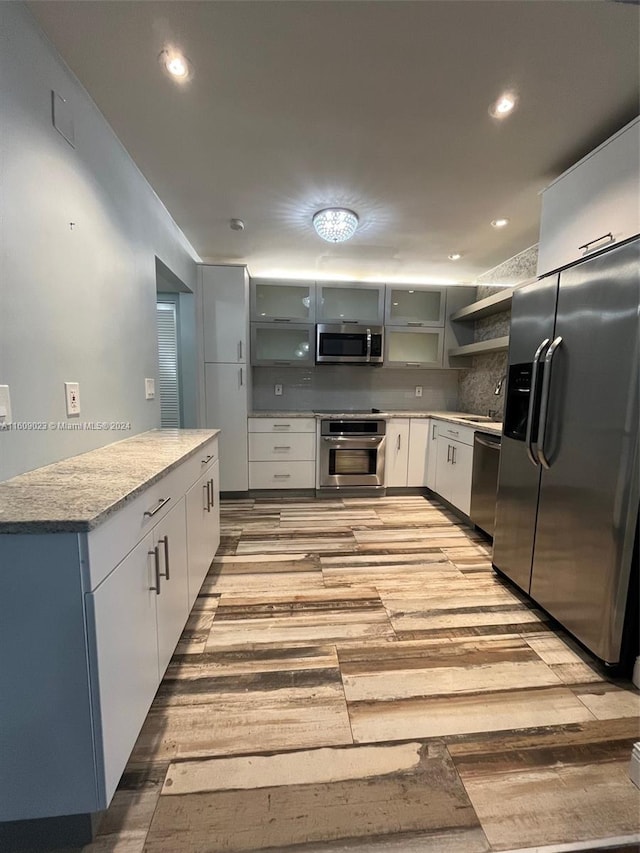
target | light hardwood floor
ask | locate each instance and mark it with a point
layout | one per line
(355, 677)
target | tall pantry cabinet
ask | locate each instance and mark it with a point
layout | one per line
(224, 292)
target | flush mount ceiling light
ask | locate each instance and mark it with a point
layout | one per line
(454, 256)
(335, 224)
(175, 64)
(499, 223)
(504, 106)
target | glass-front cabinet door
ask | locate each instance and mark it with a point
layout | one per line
(282, 301)
(350, 303)
(415, 306)
(289, 346)
(413, 347)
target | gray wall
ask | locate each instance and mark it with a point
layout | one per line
(344, 387)
(476, 387)
(76, 304)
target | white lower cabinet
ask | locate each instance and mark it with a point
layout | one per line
(93, 618)
(203, 527)
(418, 452)
(454, 467)
(282, 453)
(396, 457)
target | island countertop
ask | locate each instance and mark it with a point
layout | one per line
(79, 493)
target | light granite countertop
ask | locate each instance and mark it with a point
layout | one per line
(80, 493)
(461, 418)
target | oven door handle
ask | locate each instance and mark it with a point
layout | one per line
(352, 438)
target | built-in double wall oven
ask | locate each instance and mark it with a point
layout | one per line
(352, 454)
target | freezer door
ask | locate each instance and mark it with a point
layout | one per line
(532, 321)
(589, 495)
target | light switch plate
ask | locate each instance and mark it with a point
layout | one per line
(5, 405)
(277, 390)
(149, 389)
(418, 390)
(72, 396)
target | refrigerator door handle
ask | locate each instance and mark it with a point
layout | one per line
(544, 405)
(533, 393)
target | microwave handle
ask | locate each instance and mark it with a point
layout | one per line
(368, 344)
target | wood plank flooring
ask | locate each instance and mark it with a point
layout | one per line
(355, 677)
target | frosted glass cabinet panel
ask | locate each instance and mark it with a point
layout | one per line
(413, 348)
(290, 346)
(415, 306)
(350, 303)
(283, 301)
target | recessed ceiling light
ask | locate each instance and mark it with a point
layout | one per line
(505, 105)
(499, 223)
(454, 256)
(175, 64)
(335, 224)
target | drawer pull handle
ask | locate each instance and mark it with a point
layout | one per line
(585, 246)
(208, 459)
(207, 508)
(281, 476)
(282, 447)
(282, 426)
(161, 503)
(414, 323)
(412, 363)
(156, 561)
(282, 319)
(453, 431)
(165, 542)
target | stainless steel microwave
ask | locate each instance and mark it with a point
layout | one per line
(349, 344)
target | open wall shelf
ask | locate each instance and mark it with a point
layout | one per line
(492, 345)
(493, 304)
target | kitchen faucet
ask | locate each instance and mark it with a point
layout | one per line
(498, 388)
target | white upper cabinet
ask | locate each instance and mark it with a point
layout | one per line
(350, 303)
(594, 204)
(415, 306)
(283, 301)
(289, 346)
(413, 348)
(224, 313)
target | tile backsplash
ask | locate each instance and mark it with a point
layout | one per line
(345, 388)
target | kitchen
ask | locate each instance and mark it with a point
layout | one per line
(99, 230)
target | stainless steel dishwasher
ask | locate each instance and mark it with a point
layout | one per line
(484, 483)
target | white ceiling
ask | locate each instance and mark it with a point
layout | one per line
(378, 106)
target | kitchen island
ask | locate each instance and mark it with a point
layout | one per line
(96, 584)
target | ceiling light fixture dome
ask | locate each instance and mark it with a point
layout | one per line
(175, 64)
(505, 105)
(335, 224)
(499, 223)
(455, 256)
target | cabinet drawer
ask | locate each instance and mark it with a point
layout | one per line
(282, 475)
(109, 543)
(458, 433)
(267, 447)
(282, 425)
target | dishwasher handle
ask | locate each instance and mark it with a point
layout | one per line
(491, 443)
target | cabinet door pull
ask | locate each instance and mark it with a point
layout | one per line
(165, 542)
(433, 434)
(212, 492)
(448, 452)
(414, 323)
(282, 319)
(453, 455)
(241, 378)
(398, 442)
(207, 508)
(239, 350)
(156, 562)
(161, 503)
(608, 235)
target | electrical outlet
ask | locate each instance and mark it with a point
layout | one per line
(149, 389)
(418, 390)
(5, 405)
(72, 396)
(277, 390)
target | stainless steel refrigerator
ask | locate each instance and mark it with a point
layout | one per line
(567, 506)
